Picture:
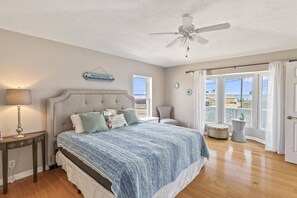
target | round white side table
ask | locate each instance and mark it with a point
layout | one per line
(238, 134)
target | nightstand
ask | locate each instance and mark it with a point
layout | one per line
(150, 119)
(11, 143)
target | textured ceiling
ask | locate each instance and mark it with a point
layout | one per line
(120, 27)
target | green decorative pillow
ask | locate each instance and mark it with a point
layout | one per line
(93, 122)
(130, 116)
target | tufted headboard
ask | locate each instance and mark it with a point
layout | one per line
(74, 101)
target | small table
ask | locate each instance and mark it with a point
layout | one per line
(150, 119)
(11, 142)
(238, 134)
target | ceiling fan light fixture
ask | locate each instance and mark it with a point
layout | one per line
(189, 33)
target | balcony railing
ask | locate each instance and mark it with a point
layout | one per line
(142, 107)
(233, 113)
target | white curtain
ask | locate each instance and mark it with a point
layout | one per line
(199, 100)
(275, 131)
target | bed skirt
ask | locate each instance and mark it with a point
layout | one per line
(90, 188)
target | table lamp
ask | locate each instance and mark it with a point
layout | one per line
(18, 97)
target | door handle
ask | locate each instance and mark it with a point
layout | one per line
(291, 117)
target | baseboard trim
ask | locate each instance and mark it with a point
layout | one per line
(256, 139)
(22, 175)
(51, 167)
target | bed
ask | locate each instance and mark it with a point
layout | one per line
(141, 160)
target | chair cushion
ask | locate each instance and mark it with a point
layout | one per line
(164, 111)
(169, 121)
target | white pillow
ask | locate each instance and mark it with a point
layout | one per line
(77, 123)
(118, 121)
(110, 112)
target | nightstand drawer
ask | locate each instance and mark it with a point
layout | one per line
(39, 138)
(19, 143)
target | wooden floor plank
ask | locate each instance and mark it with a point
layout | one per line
(235, 170)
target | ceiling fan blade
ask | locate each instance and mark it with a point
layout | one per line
(183, 39)
(162, 33)
(187, 21)
(200, 40)
(174, 41)
(213, 28)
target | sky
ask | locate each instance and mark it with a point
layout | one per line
(233, 85)
(139, 86)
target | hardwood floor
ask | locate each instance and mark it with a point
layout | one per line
(243, 170)
(234, 170)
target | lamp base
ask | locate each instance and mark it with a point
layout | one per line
(19, 136)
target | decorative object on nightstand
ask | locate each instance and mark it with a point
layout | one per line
(11, 143)
(218, 131)
(165, 115)
(238, 134)
(150, 119)
(18, 97)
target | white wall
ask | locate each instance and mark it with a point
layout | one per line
(47, 68)
(183, 104)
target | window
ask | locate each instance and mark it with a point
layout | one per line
(211, 100)
(238, 99)
(142, 90)
(263, 100)
(237, 95)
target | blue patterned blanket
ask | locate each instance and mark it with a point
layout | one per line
(138, 159)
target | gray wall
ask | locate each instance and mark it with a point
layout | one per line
(47, 68)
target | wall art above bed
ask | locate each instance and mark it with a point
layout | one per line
(92, 75)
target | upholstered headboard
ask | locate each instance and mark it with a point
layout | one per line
(74, 101)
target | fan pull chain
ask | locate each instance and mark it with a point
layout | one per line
(188, 48)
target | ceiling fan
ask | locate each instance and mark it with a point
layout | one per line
(188, 32)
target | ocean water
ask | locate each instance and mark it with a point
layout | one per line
(139, 96)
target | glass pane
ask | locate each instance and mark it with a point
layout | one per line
(211, 100)
(238, 99)
(140, 95)
(264, 90)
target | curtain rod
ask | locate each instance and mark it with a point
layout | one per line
(247, 65)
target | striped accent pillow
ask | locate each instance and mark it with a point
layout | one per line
(117, 121)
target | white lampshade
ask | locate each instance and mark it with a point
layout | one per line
(18, 97)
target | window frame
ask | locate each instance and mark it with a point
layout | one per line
(149, 90)
(256, 96)
(260, 99)
(216, 97)
(253, 124)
